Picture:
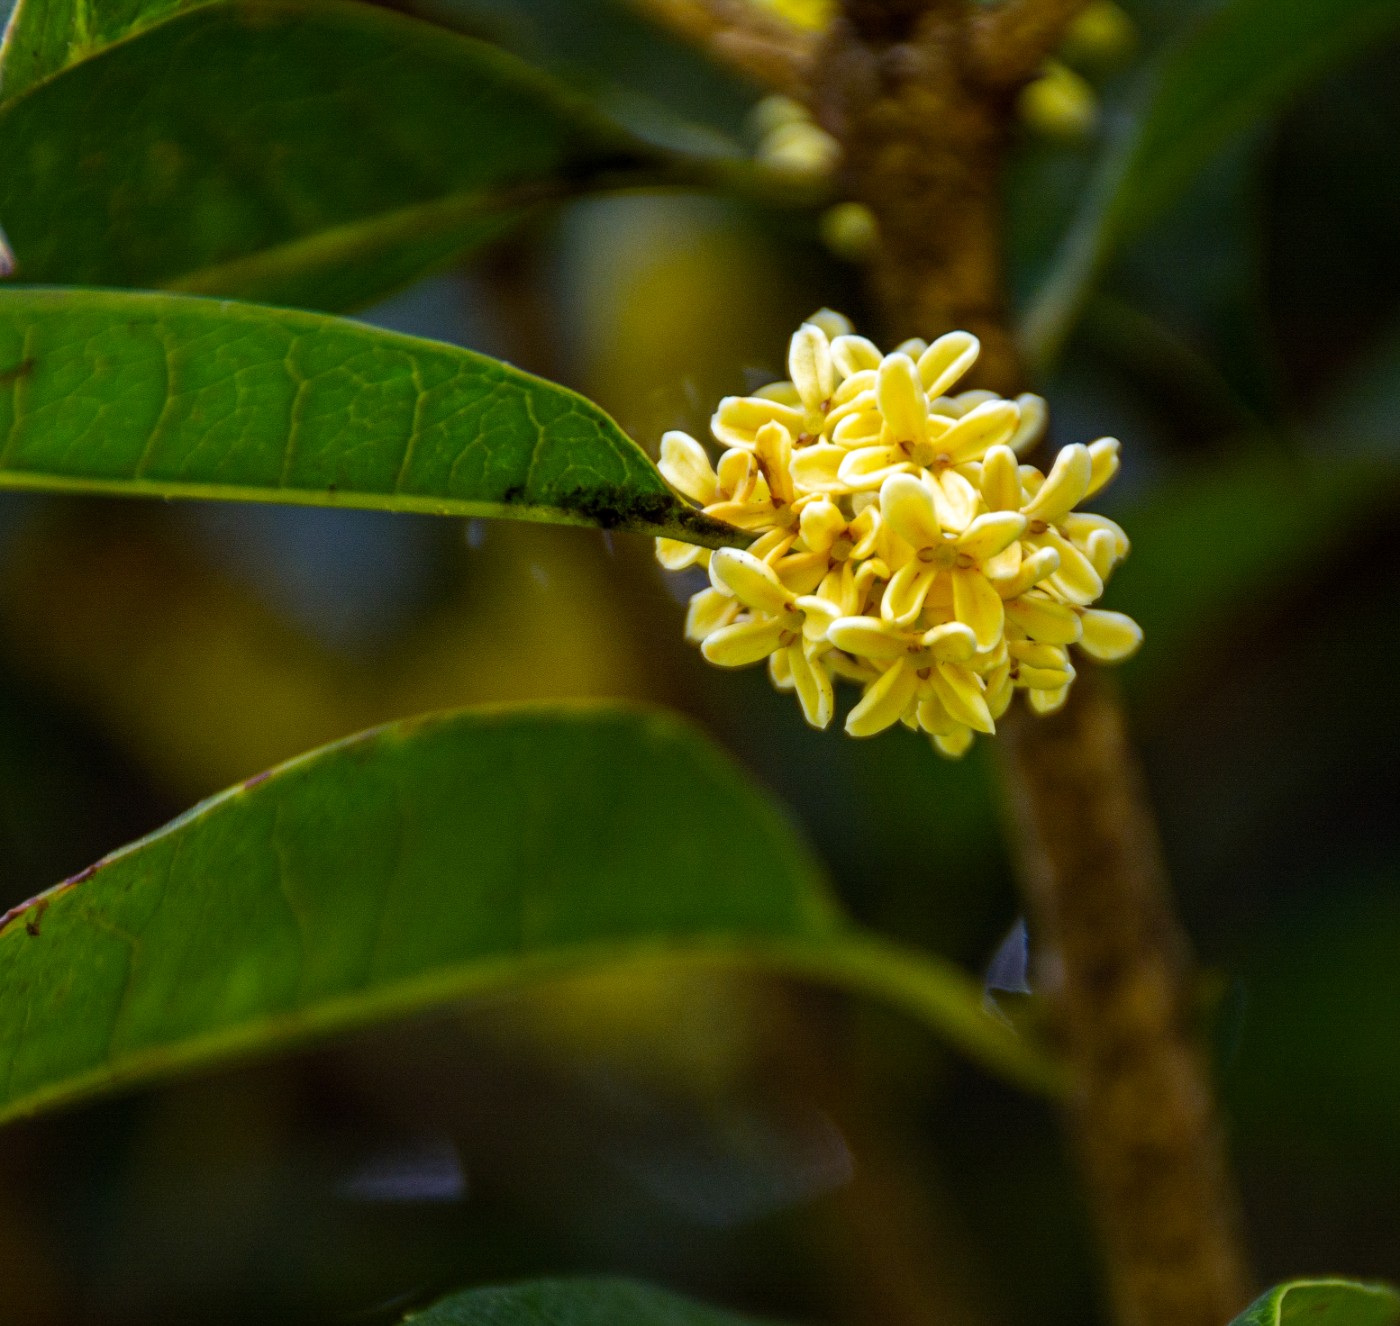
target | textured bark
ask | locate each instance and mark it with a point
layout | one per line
(1116, 971)
(924, 144)
(921, 94)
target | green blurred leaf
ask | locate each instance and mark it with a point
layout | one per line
(1224, 75)
(1323, 1303)
(572, 1303)
(169, 396)
(419, 864)
(304, 152)
(1217, 540)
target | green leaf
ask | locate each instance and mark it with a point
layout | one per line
(1323, 1303)
(1240, 65)
(419, 864)
(303, 152)
(572, 1303)
(1216, 541)
(171, 396)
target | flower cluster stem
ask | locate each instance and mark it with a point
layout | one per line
(913, 90)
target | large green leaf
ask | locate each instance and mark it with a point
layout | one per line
(418, 864)
(172, 396)
(306, 152)
(1238, 66)
(1322, 1303)
(572, 1303)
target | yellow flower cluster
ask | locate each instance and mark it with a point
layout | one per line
(899, 542)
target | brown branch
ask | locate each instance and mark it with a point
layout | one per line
(1012, 39)
(762, 46)
(921, 102)
(1116, 971)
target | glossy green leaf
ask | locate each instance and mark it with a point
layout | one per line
(171, 396)
(1324, 1303)
(572, 1303)
(1237, 67)
(304, 152)
(418, 864)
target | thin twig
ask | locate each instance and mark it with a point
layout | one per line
(763, 46)
(1011, 40)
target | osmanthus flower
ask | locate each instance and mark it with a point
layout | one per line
(899, 541)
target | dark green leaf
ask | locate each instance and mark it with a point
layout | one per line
(418, 864)
(302, 152)
(169, 396)
(1240, 65)
(573, 1303)
(1212, 543)
(1323, 1303)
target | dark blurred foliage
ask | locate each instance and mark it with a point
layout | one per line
(756, 1143)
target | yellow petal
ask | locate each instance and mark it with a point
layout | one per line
(1045, 620)
(905, 594)
(744, 642)
(813, 684)
(738, 474)
(884, 701)
(675, 555)
(1035, 415)
(869, 637)
(783, 392)
(914, 347)
(751, 581)
(1076, 579)
(1005, 566)
(854, 354)
(954, 407)
(999, 691)
(977, 605)
(869, 467)
(991, 533)
(779, 671)
(1064, 486)
(946, 360)
(989, 425)
(1043, 679)
(1081, 525)
(955, 501)
(815, 469)
(1037, 565)
(1047, 702)
(960, 690)
(1104, 455)
(1001, 484)
(953, 745)
(1110, 636)
(821, 521)
(801, 572)
(708, 611)
(907, 508)
(834, 324)
(810, 366)
(685, 465)
(902, 400)
(934, 718)
(818, 614)
(952, 642)
(738, 419)
(1102, 554)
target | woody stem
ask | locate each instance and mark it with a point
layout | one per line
(921, 95)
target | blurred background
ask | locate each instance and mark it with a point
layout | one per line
(754, 1142)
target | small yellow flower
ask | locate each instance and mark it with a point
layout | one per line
(901, 544)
